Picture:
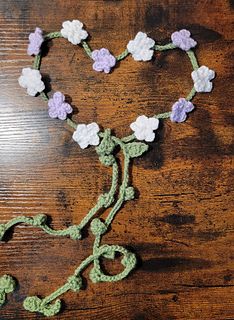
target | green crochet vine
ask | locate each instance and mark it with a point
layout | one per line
(107, 155)
(107, 152)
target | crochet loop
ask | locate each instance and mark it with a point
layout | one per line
(108, 251)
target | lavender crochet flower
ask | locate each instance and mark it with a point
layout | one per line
(183, 40)
(58, 108)
(35, 41)
(180, 109)
(104, 60)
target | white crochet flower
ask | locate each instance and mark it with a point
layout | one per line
(73, 31)
(201, 78)
(143, 128)
(31, 80)
(140, 47)
(87, 135)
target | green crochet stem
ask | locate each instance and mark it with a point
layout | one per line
(124, 184)
(74, 282)
(74, 231)
(53, 35)
(168, 46)
(98, 228)
(87, 48)
(107, 153)
(122, 55)
(192, 59)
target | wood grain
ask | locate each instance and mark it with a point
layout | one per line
(181, 225)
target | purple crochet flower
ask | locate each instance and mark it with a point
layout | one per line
(104, 60)
(58, 108)
(35, 41)
(180, 109)
(183, 40)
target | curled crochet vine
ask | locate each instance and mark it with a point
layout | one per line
(107, 147)
(107, 155)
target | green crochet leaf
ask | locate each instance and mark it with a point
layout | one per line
(136, 149)
(50, 310)
(7, 284)
(35, 304)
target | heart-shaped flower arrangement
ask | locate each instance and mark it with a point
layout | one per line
(142, 49)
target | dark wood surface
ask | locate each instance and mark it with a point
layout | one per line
(181, 225)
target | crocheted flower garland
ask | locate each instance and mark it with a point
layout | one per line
(141, 48)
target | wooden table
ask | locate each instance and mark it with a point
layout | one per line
(181, 224)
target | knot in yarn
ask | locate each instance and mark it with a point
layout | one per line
(107, 160)
(95, 276)
(129, 193)
(129, 260)
(106, 199)
(75, 283)
(39, 219)
(2, 231)
(98, 227)
(7, 284)
(107, 144)
(75, 232)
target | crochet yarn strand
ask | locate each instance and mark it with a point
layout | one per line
(122, 55)
(165, 47)
(87, 48)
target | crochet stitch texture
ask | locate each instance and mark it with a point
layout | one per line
(142, 49)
